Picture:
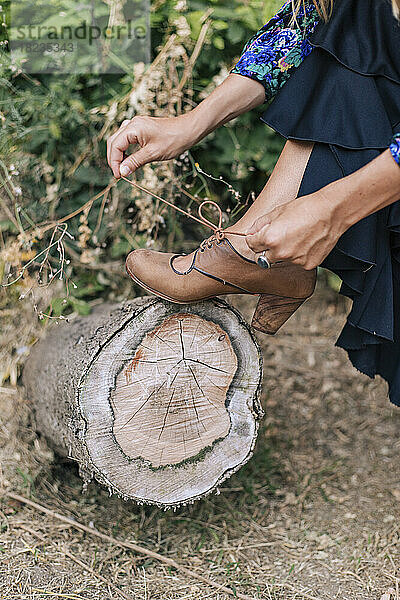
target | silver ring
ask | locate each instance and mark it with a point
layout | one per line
(263, 261)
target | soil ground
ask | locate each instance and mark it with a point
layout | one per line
(313, 515)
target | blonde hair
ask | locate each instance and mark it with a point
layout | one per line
(324, 7)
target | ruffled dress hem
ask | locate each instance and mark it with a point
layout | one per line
(345, 98)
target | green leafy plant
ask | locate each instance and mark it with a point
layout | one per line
(53, 169)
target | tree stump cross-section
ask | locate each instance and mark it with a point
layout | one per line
(169, 402)
(155, 400)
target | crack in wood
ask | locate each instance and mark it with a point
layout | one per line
(153, 429)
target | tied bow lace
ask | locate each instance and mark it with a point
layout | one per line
(218, 231)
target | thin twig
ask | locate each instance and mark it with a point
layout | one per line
(44, 227)
(195, 54)
(98, 575)
(63, 232)
(100, 215)
(121, 543)
(58, 594)
(296, 590)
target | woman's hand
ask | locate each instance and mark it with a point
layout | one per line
(158, 138)
(162, 138)
(302, 231)
(305, 230)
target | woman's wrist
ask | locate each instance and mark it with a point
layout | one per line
(364, 192)
(191, 128)
(235, 96)
(341, 205)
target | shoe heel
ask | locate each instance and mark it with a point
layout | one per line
(273, 311)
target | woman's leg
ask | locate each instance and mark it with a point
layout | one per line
(282, 186)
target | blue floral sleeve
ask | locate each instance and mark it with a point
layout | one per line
(281, 45)
(395, 148)
(276, 48)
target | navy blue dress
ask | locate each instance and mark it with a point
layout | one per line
(345, 97)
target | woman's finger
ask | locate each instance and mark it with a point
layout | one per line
(259, 241)
(259, 224)
(135, 161)
(109, 142)
(113, 136)
(118, 145)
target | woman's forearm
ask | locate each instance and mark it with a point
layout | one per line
(365, 191)
(163, 138)
(235, 96)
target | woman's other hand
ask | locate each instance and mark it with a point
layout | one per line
(301, 232)
(157, 138)
(162, 138)
(305, 230)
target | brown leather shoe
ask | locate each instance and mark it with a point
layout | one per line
(216, 269)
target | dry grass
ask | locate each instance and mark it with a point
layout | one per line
(314, 514)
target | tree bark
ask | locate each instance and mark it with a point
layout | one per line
(157, 401)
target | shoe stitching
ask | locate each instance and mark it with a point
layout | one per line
(171, 264)
(216, 278)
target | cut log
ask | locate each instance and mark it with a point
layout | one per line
(157, 401)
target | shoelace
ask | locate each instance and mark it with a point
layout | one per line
(218, 232)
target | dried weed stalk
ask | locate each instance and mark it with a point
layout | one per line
(34, 255)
